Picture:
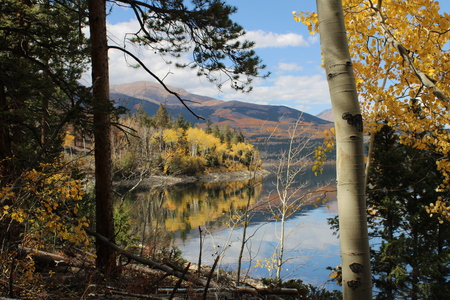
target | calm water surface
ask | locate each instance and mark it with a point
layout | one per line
(310, 246)
(182, 211)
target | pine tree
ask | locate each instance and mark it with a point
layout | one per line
(42, 56)
(180, 122)
(161, 117)
(208, 129)
(43, 53)
(171, 28)
(216, 132)
(410, 258)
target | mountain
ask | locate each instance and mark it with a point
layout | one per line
(257, 122)
(327, 114)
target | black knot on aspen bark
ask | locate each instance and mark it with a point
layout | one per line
(354, 120)
(356, 267)
(354, 284)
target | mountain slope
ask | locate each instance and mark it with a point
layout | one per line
(326, 115)
(257, 122)
(155, 93)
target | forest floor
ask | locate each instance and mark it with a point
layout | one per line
(62, 276)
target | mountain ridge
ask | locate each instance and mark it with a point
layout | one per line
(327, 114)
(256, 121)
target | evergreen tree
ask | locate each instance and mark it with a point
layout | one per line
(241, 138)
(143, 117)
(410, 256)
(180, 122)
(216, 132)
(161, 117)
(42, 55)
(234, 137)
(225, 133)
(208, 129)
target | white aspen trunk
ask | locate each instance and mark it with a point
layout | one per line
(280, 262)
(356, 273)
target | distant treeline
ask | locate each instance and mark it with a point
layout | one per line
(162, 145)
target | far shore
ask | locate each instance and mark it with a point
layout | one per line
(155, 181)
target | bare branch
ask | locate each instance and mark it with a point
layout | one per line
(158, 79)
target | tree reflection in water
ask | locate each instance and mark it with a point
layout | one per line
(165, 217)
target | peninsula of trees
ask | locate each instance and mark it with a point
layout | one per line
(146, 145)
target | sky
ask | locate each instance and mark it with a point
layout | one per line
(291, 54)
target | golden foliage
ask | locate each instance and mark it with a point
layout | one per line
(32, 216)
(43, 193)
(441, 208)
(68, 139)
(178, 150)
(320, 152)
(401, 62)
(172, 136)
(193, 210)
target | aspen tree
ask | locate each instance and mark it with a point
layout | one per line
(401, 62)
(356, 273)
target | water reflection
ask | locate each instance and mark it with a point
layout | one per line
(311, 247)
(181, 209)
(175, 215)
(209, 205)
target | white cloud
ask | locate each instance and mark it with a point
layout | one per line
(289, 67)
(121, 70)
(264, 39)
(300, 92)
(302, 107)
(293, 91)
(313, 39)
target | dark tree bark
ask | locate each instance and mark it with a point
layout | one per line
(5, 144)
(106, 257)
(205, 29)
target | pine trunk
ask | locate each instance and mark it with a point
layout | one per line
(356, 273)
(106, 258)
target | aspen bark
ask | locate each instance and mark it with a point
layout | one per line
(356, 273)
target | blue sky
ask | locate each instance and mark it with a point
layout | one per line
(291, 54)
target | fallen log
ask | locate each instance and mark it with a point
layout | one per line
(238, 289)
(148, 262)
(52, 260)
(168, 270)
(173, 270)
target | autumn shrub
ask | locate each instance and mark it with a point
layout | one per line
(34, 216)
(194, 165)
(173, 163)
(125, 166)
(177, 162)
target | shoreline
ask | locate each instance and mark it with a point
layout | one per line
(161, 181)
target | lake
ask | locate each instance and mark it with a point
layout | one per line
(177, 215)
